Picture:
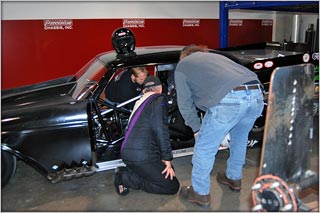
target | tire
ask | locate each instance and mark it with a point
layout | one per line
(8, 167)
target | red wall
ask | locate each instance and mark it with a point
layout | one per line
(30, 53)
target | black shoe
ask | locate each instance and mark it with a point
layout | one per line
(234, 185)
(187, 193)
(118, 185)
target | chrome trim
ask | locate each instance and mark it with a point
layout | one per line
(108, 165)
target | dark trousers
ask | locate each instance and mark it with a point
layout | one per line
(148, 177)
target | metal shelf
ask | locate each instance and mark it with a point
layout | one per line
(287, 6)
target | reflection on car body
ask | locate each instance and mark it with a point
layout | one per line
(65, 129)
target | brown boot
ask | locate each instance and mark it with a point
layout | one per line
(187, 193)
(234, 185)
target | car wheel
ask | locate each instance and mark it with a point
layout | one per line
(8, 167)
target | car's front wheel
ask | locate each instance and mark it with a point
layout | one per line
(8, 167)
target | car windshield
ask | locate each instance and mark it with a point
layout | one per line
(88, 77)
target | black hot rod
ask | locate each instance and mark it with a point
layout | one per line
(64, 128)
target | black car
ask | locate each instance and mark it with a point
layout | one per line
(65, 129)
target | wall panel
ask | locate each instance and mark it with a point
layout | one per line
(32, 53)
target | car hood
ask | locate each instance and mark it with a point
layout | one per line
(37, 94)
(47, 107)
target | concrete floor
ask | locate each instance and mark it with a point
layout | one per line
(30, 191)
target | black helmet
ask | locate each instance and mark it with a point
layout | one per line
(123, 41)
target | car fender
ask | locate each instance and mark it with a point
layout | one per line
(50, 137)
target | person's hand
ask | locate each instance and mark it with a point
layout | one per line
(168, 171)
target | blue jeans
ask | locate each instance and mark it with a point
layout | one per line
(235, 114)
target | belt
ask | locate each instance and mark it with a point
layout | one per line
(247, 87)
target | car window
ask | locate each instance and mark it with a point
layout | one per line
(166, 74)
(114, 94)
(88, 77)
(120, 90)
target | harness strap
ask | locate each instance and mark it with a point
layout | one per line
(135, 118)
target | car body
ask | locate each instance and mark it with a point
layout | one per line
(65, 129)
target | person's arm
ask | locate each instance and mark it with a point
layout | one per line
(161, 130)
(160, 127)
(185, 102)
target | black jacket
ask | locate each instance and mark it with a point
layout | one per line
(122, 88)
(149, 140)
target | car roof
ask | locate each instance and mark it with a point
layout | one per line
(171, 53)
(142, 55)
